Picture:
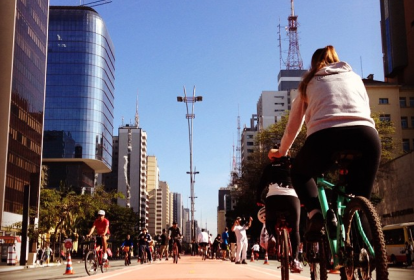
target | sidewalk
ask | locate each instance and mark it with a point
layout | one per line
(5, 267)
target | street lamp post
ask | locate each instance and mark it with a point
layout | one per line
(190, 116)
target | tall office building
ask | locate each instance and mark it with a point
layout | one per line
(397, 23)
(23, 33)
(165, 205)
(152, 188)
(177, 209)
(79, 106)
(186, 227)
(132, 170)
(394, 99)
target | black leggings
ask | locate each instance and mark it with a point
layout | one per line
(284, 203)
(315, 158)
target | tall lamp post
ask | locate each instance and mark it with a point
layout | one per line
(190, 116)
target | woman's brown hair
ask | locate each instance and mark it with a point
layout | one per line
(320, 58)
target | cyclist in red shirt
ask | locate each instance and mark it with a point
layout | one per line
(101, 225)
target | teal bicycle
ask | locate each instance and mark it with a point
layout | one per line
(343, 242)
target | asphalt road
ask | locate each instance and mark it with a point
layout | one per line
(187, 268)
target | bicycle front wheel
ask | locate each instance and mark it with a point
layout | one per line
(359, 263)
(284, 256)
(105, 265)
(91, 264)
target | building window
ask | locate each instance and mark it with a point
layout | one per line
(385, 118)
(406, 145)
(403, 102)
(250, 143)
(383, 101)
(411, 101)
(404, 122)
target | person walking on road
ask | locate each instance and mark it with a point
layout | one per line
(225, 243)
(164, 244)
(242, 242)
(232, 241)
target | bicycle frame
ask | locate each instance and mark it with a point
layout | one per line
(338, 243)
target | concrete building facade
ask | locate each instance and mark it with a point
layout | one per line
(166, 209)
(152, 188)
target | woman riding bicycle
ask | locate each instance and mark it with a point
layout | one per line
(281, 198)
(334, 104)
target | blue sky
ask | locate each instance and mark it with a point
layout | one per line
(228, 50)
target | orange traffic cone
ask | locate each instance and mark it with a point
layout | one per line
(266, 261)
(252, 257)
(69, 269)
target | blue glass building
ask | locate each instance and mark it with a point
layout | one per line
(79, 107)
(23, 45)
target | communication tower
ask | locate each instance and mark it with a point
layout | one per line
(294, 60)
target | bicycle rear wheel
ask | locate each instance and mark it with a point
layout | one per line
(284, 256)
(91, 264)
(359, 264)
(316, 257)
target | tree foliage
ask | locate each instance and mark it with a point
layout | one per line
(69, 214)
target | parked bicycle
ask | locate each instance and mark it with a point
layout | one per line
(94, 259)
(345, 241)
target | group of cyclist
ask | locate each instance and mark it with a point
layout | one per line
(144, 240)
(334, 105)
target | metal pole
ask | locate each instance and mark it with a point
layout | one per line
(190, 117)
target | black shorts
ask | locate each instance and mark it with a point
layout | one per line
(99, 240)
(223, 246)
(203, 244)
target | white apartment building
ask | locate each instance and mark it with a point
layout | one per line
(132, 170)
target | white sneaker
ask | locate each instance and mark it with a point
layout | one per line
(296, 267)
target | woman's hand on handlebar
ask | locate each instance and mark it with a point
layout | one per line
(274, 153)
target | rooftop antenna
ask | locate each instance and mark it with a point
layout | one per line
(95, 3)
(136, 114)
(294, 60)
(238, 147)
(280, 48)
